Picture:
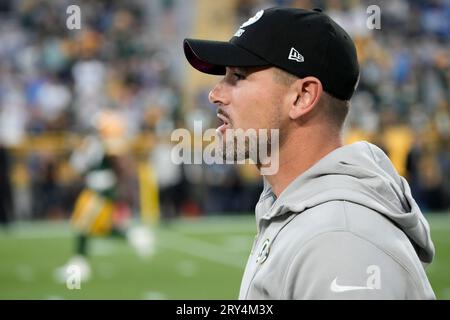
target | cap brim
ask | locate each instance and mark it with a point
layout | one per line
(213, 56)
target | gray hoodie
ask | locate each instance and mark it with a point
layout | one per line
(347, 228)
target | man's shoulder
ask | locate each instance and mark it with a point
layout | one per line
(346, 218)
(348, 225)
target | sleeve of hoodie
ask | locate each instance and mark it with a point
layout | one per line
(341, 265)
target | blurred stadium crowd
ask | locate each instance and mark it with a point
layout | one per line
(120, 78)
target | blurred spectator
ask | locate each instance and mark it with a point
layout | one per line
(127, 57)
(170, 181)
(47, 192)
(6, 205)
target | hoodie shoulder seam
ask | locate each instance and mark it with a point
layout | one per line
(371, 151)
(344, 206)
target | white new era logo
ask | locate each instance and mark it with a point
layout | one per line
(295, 55)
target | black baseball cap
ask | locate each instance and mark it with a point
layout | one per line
(301, 42)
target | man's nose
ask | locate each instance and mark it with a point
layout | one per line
(217, 95)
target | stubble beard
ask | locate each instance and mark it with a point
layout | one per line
(233, 150)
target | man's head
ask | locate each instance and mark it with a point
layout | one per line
(284, 68)
(270, 98)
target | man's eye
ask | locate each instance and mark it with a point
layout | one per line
(239, 76)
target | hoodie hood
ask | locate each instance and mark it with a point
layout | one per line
(360, 173)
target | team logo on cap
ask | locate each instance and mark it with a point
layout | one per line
(250, 21)
(295, 55)
(253, 19)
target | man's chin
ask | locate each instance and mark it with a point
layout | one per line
(221, 130)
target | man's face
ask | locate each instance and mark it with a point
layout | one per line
(248, 98)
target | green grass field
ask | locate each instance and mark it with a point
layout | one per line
(194, 259)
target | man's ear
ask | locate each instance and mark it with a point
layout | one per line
(307, 92)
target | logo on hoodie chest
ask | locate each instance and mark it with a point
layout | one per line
(264, 252)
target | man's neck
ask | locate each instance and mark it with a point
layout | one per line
(298, 155)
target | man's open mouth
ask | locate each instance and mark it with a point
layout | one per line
(225, 123)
